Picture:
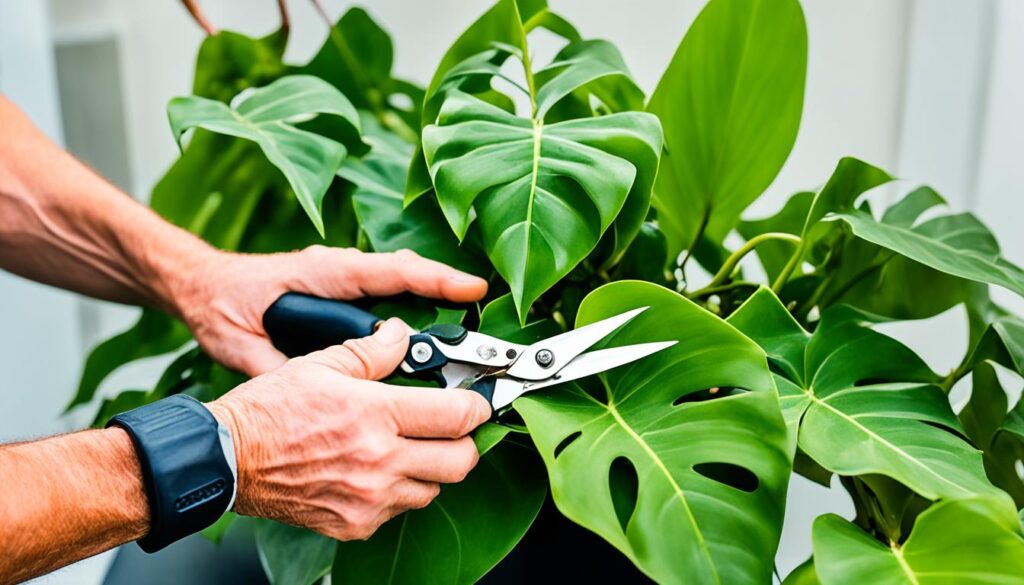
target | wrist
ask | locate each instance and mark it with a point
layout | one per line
(226, 416)
(171, 276)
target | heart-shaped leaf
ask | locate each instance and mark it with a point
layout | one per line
(975, 540)
(530, 183)
(730, 101)
(266, 117)
(680, 459)
(863, 403)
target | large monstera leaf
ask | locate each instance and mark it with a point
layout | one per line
(267, 116)
(689, 485)
(976, 541)
(530, 184)
(730, 101)
(862, 402)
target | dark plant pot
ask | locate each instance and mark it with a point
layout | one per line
(556, 550)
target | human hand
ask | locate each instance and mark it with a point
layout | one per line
(320, 445)
(223, 295)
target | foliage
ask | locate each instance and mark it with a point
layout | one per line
(545, 179)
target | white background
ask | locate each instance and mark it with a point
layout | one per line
(928, 89)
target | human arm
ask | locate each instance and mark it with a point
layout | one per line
(62, 224)
(318, 444)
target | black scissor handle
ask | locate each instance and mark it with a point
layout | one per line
(299, 324)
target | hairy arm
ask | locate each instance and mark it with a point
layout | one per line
(67, 498)
(62, 224)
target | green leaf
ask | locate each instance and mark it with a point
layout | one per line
(461, 535)
(379, 178)
(959, 245)
(306, 159)
(499, 318)
(229, 62)
(864, 403)
(530, 183)
(646, 256)
(973, 541)
(357, 58)
(709, 474)
(153, 334)
(730, 102)
(291, 555)
(881, 281)
(803, 575)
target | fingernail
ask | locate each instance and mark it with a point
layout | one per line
(463, 278)
(392, 331)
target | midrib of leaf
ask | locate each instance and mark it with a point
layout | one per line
(294, 96)
(538, 129)
(729, 109)
(398, 549)
(903, 454)
(898, 552)
(672, 482)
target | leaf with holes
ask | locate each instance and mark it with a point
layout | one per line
(975, 540)
(690, 488)
(863, 403)
(267, 117)
(731, 101)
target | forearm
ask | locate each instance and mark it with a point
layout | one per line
(61, 224)
(67, 498)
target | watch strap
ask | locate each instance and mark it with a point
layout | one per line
(187, 470)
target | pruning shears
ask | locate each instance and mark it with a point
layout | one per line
(498, 370)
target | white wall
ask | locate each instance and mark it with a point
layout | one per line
(929, 89)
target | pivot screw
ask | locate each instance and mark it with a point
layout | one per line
(486, 352)
(510, 354)
(422, 352)
(545, 358)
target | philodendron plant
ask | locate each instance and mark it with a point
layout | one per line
(579, 197)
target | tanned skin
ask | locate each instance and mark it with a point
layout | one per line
(319, 442)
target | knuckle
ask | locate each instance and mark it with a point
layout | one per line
(432, 491)
(361, 354)
(406, 255)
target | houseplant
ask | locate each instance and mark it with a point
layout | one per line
(578, 197)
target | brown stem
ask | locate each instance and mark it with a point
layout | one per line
(323, 13)
(200, 18)
(286, 24)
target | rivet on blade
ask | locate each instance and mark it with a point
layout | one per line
(422, 352)
(545, 358)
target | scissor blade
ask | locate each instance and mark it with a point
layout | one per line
(566, 347)
(602, 360)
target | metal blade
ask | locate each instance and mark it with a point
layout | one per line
(566, 347)
(595, 362)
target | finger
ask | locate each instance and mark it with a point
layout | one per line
(254, 357)
(438, 460)
(430, 413)
(413, 494)
(403, 271)
(369, 358)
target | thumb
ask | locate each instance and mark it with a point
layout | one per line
(370, 358)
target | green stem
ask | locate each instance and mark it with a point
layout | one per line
(794, 260)
(707, 291)
(725, 272)
(693, 245)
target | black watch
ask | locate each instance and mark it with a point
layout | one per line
(188, 466)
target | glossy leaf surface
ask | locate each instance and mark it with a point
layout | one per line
(730, 102)
(862, 402)
(970, 541)
(711, 473)
(306, 159)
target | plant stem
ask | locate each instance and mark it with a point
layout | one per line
(286, 23)
(794, 260)
(707, 291)
(725, 272)
(200, 18)
(696, 240)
